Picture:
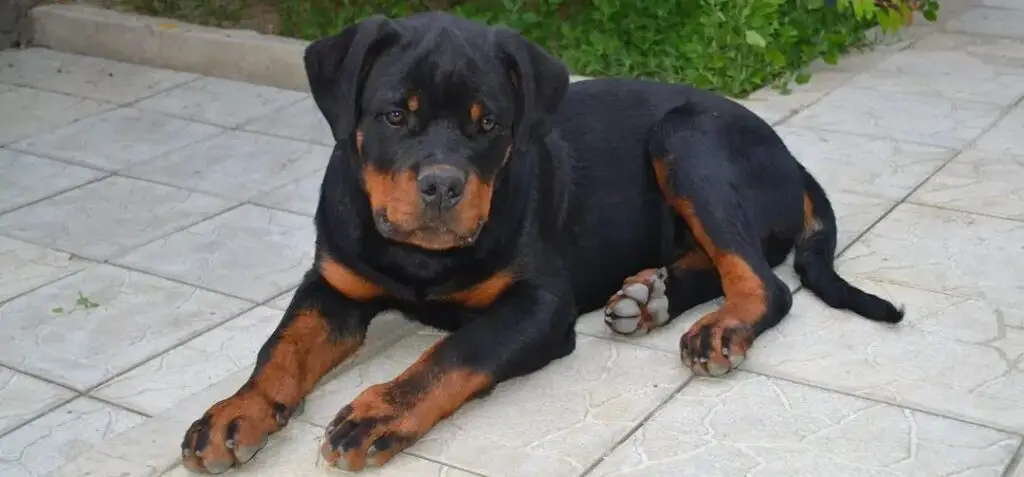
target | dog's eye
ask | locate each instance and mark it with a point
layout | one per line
(488, 124)
(395, 118)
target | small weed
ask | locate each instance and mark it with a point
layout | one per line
(82, 302)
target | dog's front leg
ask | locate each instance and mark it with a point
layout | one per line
(320, 329)
(525, 329)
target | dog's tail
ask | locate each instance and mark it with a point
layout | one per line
(815, 259)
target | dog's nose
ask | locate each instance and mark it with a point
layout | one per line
(441, 187)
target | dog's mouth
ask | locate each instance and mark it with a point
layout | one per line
(433, 235)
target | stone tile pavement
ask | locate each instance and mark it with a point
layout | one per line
(133, 199)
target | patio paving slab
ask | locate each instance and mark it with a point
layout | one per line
(50, 441)
(108, 218)
(235, 165)
(980, 182)
(918, 118)
(30, 111)
(301, 121)
(219, 101)
(25, 178)
(84, 76)
(35, 266)
(135, 317)
(249, 252)
(117, 139)
(753, 425)
(1005, 137)
(946, 251)
(26, 397)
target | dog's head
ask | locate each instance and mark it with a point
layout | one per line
(433, 107)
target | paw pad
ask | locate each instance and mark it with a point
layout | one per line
(641, 304)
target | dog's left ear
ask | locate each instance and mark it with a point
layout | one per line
(337, 65)
(541, 82)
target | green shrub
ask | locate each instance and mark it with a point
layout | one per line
(731, 46)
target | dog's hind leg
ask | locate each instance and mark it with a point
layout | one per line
(701, 176)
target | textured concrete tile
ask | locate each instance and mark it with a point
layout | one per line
(135, 317)
(935, 360)
(282, 302)
(85, 76)
(855, 213)
(25, 178)
(989, 21)
(1011, 4)
(60, 436)
(752, 425)
(220, 101)
(25, 397)
(294, 453)
(900, 116)
(163, 381)
(952, 252)
(937, 68)
(1019, 471)
(150, 448)
(302, 121)
(980, 182)
(300, 196)
(26, 266)
(30, 111)
(107, 218)
(117, 139)
(250, 252)
(237, 165)
(1005, 137)
(554, 422)
(875, 167)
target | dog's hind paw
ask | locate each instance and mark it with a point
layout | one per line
(641, 305)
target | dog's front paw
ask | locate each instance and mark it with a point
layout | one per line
(370, 431)
(641, 305)
(232, 432)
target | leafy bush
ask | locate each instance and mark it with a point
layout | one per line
(731, 46)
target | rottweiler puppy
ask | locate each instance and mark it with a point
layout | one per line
(472, 188)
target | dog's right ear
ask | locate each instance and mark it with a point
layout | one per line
(336, 67)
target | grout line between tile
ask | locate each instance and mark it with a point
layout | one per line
(1016, 460)
(106, 175)
(186, 226)
(44, 412)
(191, 337)
(446, 464)
(119, 406)
(962, 211)
(958, 152)
(908, 406)
(49, 282)
(657, 409)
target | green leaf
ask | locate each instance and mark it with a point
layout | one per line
(58, 309)
(930, 15)
(754, 38)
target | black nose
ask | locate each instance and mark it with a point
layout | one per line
(441, 187)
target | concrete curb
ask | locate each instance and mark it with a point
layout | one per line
(242, 55)
(233, 54)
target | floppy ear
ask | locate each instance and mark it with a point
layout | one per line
(337, 65)
(541, 82)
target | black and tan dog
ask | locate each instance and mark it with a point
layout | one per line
(474, 190)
